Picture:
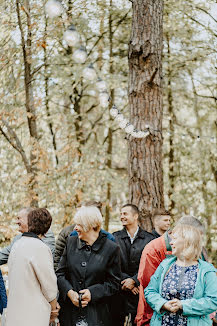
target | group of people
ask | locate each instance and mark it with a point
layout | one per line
(95, 278)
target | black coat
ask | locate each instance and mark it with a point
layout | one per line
(96, 268)
(130, 258)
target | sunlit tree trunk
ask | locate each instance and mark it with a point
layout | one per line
(145, 99)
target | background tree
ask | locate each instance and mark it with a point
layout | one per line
(145, 99)
(73, 128)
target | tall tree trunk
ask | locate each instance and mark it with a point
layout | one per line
(46, 80)
(171, 126)
(145, 99)
(109, 149)
(29, 97)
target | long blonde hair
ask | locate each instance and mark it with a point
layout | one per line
(192, 241)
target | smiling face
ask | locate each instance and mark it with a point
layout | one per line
(22, 221)
(177, 244)
(128, 217)
(162, 222)
(80, 230)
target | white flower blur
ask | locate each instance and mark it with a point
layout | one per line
(53, 8)
(79, 56)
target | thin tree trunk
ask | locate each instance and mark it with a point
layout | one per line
(29, 97)
(100, 43)
(110, 139)
(145, 99)
(46, 80)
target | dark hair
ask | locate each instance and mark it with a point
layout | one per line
(134, 208)
(39, 221)
(94, 203)
(161, 211)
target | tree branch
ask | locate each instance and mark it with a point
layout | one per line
(15, 143)
(207, 13)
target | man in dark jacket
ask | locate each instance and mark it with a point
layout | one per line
(161, 220)
(131, 240)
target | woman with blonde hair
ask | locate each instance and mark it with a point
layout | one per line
(88, 272)
(183, 290)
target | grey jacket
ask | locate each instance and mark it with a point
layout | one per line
(61, 243)
(48, 240)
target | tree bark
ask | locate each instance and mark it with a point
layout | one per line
(46, 88)
(110, 138)
(145, 99)
(171, 127)
(29, 98)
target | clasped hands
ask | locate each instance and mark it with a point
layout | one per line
(172, 305)
(129, 285)
(74, 297)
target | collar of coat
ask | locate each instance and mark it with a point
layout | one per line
(96, 245)
(140, 234)
(31, 235)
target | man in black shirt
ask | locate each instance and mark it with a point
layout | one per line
(131, 240)
(161, 221)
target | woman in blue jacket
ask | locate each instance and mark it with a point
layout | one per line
(183, 290)
(3, 295)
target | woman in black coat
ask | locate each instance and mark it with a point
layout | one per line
(90, 266)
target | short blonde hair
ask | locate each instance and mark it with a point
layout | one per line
(89, 217)
(192, 240)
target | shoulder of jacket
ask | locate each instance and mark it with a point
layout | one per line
(206, 267)
(66, 231)
(71, 239)
(155, 245)
(147, 234)
(167, 262)
(111, 244)
(117, 233)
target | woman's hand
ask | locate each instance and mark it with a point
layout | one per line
(54, 313)
(172, 305)
(176, 303)
(86, 297)
(73, 296)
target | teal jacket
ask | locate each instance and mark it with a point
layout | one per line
(197, 309)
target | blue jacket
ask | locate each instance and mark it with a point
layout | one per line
(196, 309)
(108, 235)
(3, 295)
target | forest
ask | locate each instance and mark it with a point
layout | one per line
(100, 100)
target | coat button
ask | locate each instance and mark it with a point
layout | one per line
(83, 264)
